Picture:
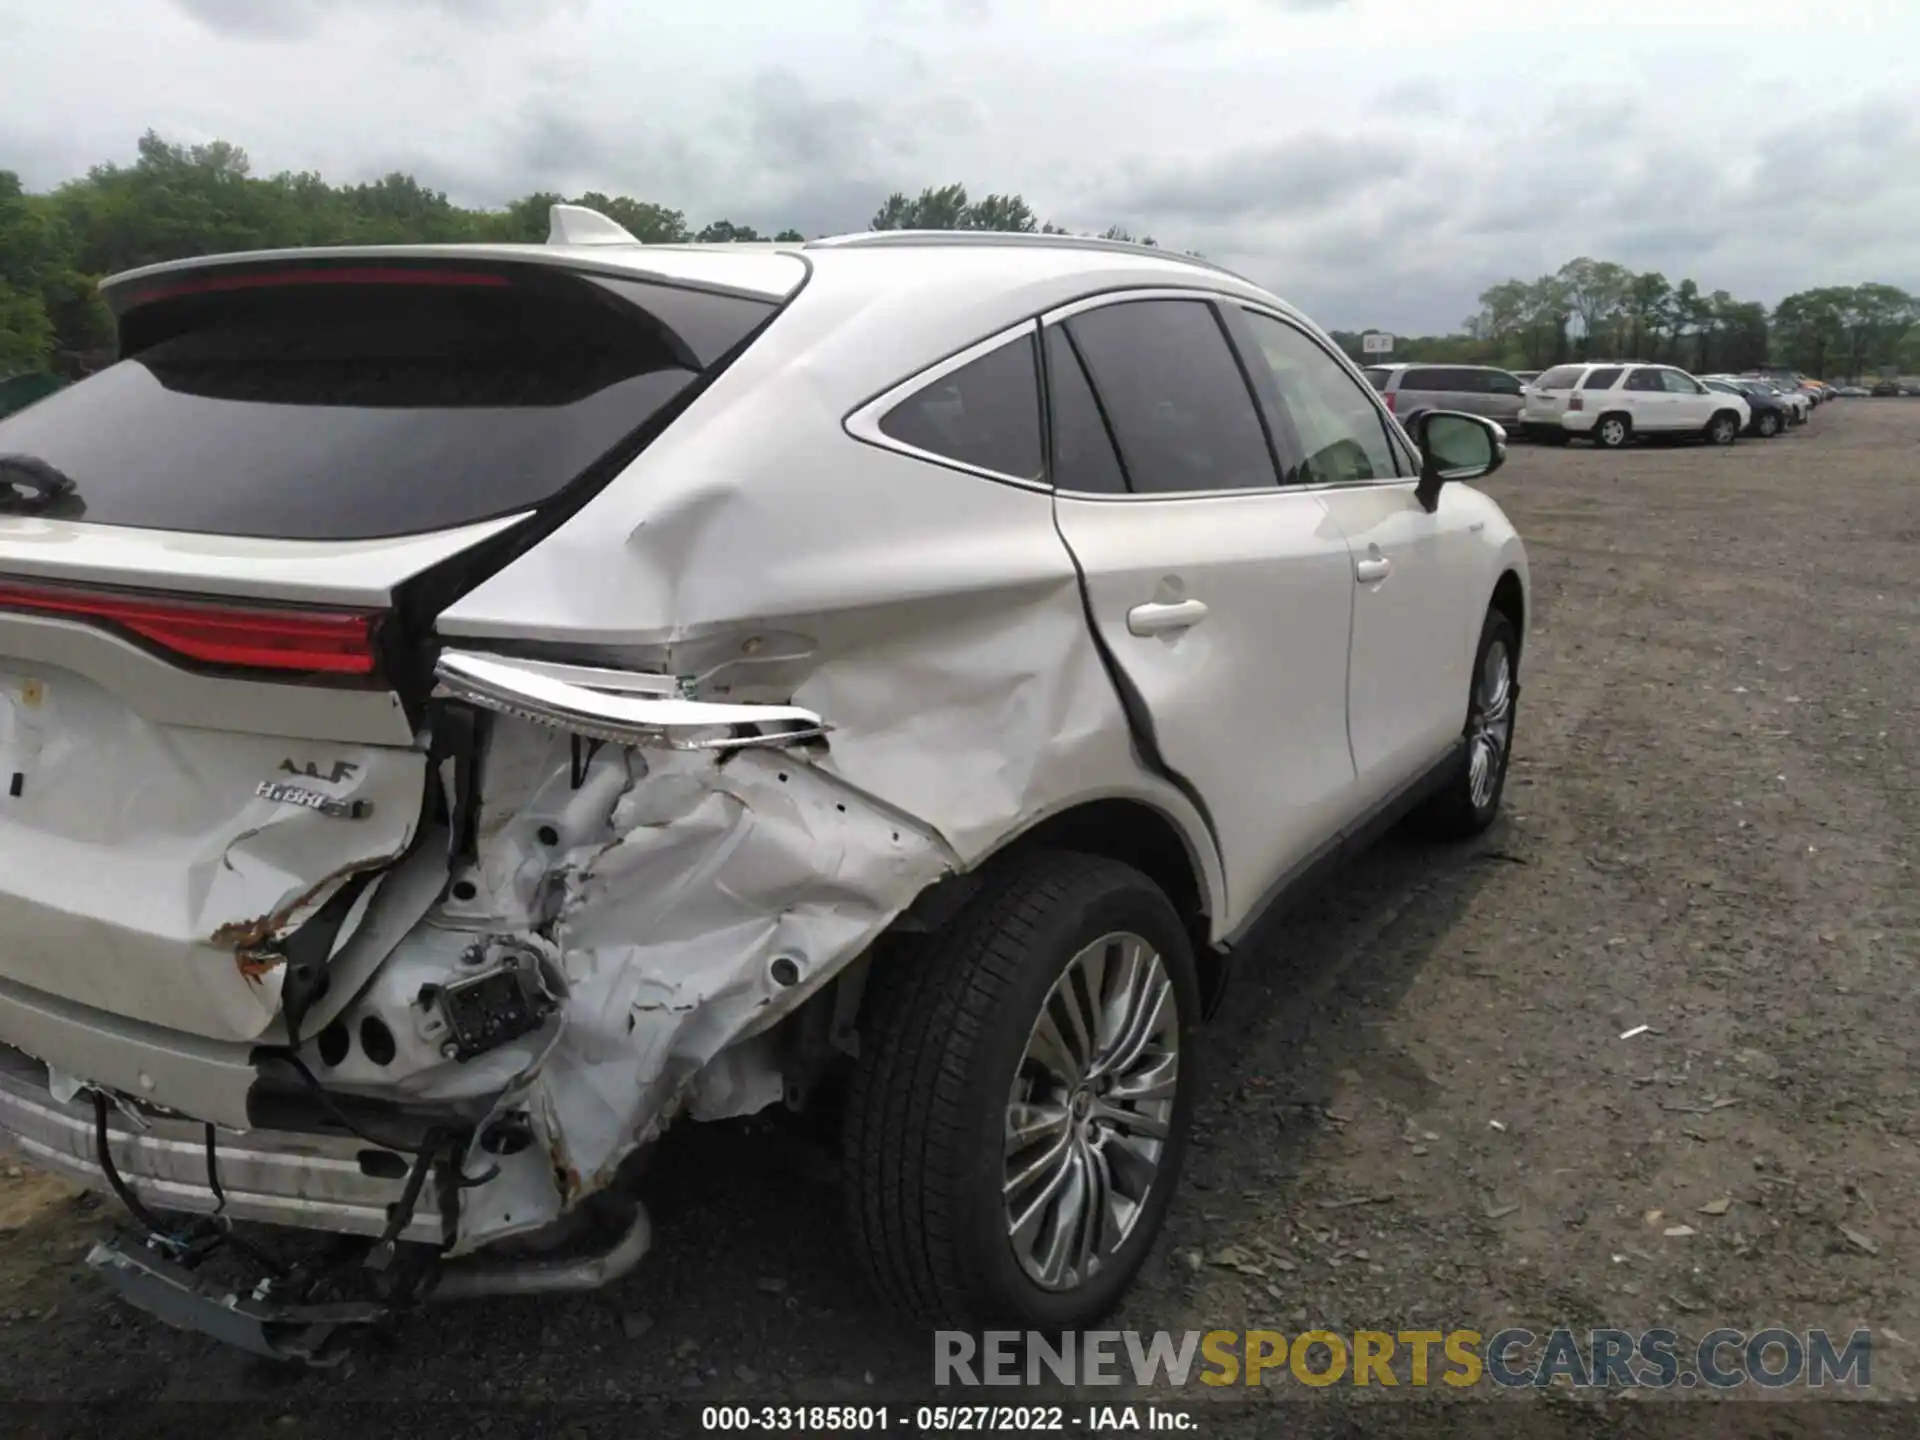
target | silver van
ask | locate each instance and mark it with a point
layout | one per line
(1477, 389)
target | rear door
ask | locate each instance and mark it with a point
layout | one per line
(1222, 599)
(211, 642)
(1648, 401)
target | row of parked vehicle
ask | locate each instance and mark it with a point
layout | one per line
(1610, 403)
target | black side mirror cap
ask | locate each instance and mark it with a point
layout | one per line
(1454, 446)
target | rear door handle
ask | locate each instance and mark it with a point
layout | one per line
(1369, 570)
(1162, 619)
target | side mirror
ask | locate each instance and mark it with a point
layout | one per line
(1454, 446)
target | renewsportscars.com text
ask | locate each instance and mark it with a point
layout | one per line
(1611, 1359)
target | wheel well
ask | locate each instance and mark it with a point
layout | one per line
(1511, 601)
(1139, 835)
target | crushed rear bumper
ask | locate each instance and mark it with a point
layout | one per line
(272, 1177)
(309, 1334)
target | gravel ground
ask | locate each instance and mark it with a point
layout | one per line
(1420, 1112)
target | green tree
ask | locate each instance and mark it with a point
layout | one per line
(726, 232)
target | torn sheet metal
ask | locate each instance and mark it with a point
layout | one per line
(146, 871)
(679, 903)
(734, 891)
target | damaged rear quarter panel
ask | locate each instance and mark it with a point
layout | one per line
(932, 617)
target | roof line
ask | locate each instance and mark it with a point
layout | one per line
(901, 239)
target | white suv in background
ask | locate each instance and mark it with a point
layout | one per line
(1611, 403)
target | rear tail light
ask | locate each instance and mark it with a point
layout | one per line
(1575, 402)
(1387, 396)
(216, 633)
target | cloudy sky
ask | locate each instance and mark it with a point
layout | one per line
(1377, 161)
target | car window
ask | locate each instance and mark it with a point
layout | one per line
(1501, 383)
(1377, 377)
(1179, 406)
(1601, 379)
(1467, 382)
(1340, 430)
(1083, 457)
(1644, 379)
(985, 414)
(348, 411)
(1561, 377)
(1423, 379)
(1679, 384)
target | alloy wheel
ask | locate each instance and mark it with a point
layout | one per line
(1090, 1110)
(1491, 728)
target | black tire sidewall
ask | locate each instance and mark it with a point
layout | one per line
(1129, 903)
(1495, 628)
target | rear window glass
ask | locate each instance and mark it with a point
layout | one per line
(355, 411)
(1561, 377)
(985, 414)
(1601, 379)
(1377, 377)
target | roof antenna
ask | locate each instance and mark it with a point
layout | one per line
(577, 225)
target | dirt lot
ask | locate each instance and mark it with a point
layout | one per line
(1710, 833)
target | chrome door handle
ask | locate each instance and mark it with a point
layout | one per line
(1163, 619)
(1372, 569)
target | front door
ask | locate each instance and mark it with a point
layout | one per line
(1693, 404)
(1407, 670)
(1221, 599)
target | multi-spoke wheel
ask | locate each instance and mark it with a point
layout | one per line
(1016, 1121)
(1092, 1100)
(1470, 799)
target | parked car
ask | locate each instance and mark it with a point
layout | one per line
(1798, 403)
(1884, 387)
(1476, 389)
(1770, 412)
(1612, 403)
(1853, 391)
(707, 678)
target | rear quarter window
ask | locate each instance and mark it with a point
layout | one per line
(986, 414)
(1561, 377)
(349, 411)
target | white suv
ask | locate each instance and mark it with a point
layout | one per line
(1611, 403)
(464, 709)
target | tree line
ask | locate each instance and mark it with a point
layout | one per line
(1596, 309)
(175, 201)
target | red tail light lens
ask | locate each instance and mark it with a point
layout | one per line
(214, 633)
(1387, 397)
(1574, 402)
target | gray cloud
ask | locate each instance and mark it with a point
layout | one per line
(1306, 172)
(297, 19)
(1384, 184)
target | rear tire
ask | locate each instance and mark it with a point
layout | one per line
(972, 1043)
(1470, 799)
(1612, 432)
(1723, 428)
